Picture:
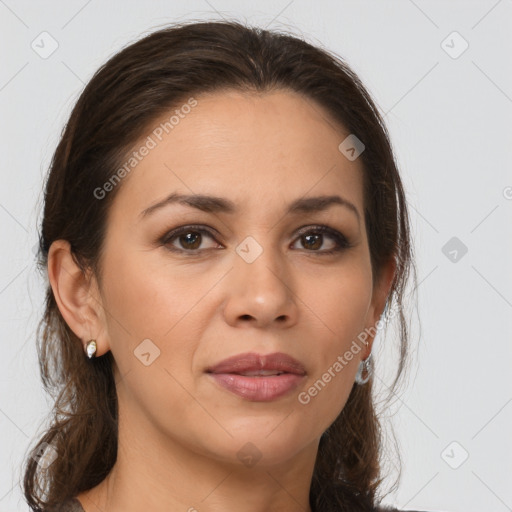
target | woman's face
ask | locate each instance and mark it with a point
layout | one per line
(248, 274)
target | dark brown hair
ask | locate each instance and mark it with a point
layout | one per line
(125, 96)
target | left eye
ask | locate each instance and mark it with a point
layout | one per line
(314, 241)
(312, 238)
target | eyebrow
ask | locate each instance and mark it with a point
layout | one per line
(213, 204)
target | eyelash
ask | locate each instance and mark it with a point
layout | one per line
(339, 238)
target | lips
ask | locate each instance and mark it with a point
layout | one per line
(259, 378)
(251, 364)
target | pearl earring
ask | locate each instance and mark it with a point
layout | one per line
(90, 348)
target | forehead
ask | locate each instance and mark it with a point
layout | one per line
(259, 149)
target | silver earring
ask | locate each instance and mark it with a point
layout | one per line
(90, 348)
(364, 371)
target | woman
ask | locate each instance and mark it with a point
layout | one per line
(224, 226)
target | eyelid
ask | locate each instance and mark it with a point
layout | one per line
(341, 240)
(199, 228)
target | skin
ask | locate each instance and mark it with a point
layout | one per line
(179, 432)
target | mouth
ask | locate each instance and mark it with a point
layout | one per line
(259, 373)
(259, 378)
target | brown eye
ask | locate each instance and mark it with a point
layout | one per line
(188, 239)
(313, 239)
(191, 240)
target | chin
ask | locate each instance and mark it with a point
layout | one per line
(260, 444)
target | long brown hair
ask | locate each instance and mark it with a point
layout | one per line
(132, 89)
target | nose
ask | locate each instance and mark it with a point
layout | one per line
(260, 294)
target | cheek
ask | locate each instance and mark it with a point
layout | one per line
(155, 303)
(147, 298)
(338, 302)
(338, 309)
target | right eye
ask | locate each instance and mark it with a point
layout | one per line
(189, 238)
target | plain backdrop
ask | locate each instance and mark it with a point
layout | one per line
(440, 73)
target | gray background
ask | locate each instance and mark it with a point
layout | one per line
(449, 118)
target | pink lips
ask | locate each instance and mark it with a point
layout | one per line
(270, 376)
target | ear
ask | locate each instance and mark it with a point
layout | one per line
(381, 289)
(77, 296)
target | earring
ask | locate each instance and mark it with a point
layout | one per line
(90, 348)
(364, 371)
